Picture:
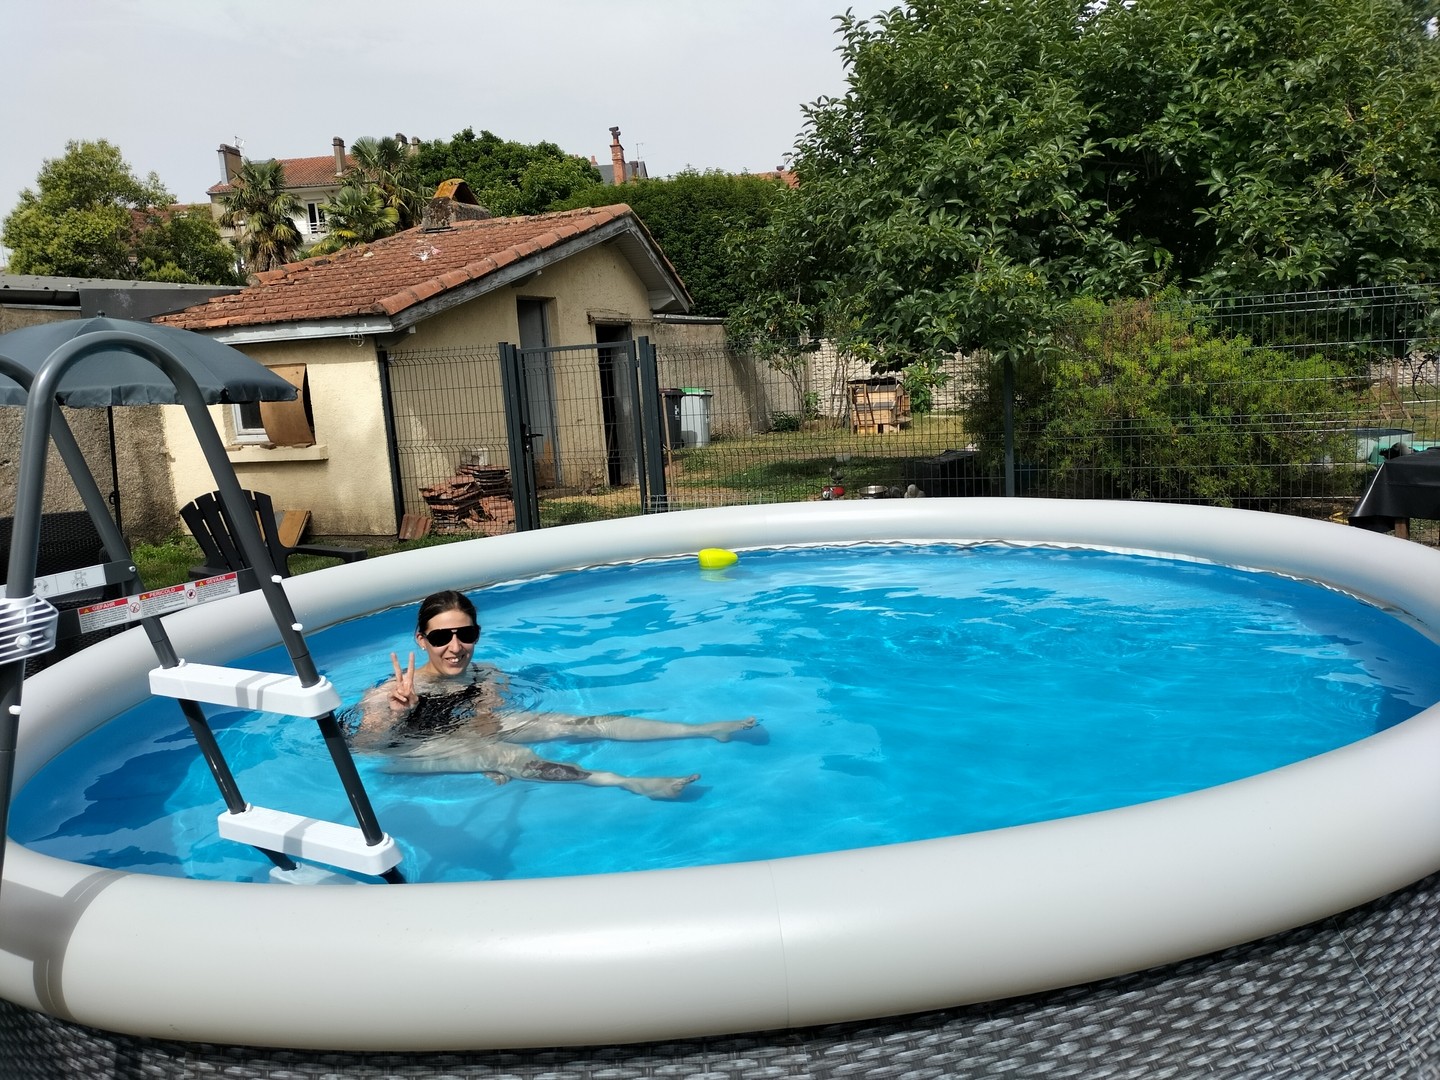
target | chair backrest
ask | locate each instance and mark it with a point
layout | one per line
(207, 521)
(68, 541)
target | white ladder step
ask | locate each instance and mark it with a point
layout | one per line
(259, 691)
(310, 838)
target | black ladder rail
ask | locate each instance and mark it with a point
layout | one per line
(243, 525)
(236, 507)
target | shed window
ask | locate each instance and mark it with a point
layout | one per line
(249, 427)
(279, 423)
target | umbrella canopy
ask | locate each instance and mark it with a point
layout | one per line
(114, 372)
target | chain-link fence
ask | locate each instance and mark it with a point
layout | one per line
(822, 426)
(1285, 403)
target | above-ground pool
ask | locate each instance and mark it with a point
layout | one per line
(772, 942)
(906, 692)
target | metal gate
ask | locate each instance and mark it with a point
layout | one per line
(475, 448)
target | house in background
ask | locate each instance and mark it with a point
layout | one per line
(313, 181)
(622, 171)
(441, 296)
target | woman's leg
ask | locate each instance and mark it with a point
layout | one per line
(541, 727)
(459, 754)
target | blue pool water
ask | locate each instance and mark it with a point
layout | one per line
(907, 693)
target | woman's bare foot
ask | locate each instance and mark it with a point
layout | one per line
(725, 730)
(658, 787)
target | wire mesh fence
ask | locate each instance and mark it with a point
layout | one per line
(822, 427)
(1286, 403)
(453, 446)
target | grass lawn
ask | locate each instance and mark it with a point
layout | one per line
(795, 465)
(169, 563)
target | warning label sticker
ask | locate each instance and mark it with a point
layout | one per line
(70, 581)
(162, 601)
(103, 616)
(157, 602)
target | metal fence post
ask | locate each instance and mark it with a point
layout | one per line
(652, 437)
(1009, 426)
(524, 489)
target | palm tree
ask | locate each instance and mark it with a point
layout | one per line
(262, 213)
(385, 163)
(356, 215)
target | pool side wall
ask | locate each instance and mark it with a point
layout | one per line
(746, 947)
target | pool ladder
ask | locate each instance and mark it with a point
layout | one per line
(30, 625)
(280, 835)
(278, 832)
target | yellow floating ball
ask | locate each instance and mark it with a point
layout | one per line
(717, 558)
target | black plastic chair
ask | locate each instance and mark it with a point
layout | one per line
(206, 519)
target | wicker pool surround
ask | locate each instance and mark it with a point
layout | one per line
(1352, 995)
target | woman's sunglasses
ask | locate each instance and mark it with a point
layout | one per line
(438, 639)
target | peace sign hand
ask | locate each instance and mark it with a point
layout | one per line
(402, 690)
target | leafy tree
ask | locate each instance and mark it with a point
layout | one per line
(943, 202)
(507, 177)
(184, 245)
(358, 214)
(1274, 145)
(695, 217)
(262, 213)
(81, 217)
(989, 160)
(387, 165)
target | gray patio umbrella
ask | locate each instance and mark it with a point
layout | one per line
(112, 372)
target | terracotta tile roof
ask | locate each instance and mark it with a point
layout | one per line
(390, 275)
(301, 172)
(785, 176)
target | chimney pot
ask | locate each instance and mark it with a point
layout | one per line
(229, 162)
(617, 157)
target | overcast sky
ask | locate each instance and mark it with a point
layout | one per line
(690, 83)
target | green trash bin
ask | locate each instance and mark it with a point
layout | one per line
(695, 416)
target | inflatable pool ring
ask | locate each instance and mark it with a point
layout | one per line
(716, 558)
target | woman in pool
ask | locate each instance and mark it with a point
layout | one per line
(449, 715)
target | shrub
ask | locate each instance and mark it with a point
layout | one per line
(784, 421)
(921, 379)
(1139, 401)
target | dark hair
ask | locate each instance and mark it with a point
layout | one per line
(441, 602)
